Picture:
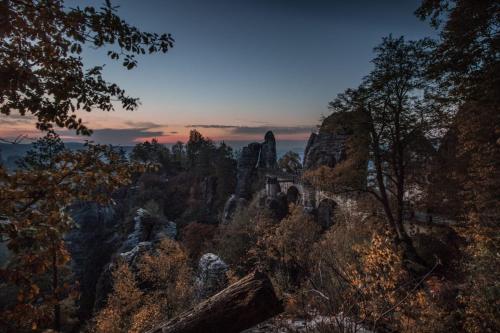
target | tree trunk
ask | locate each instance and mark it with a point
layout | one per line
(55, 279)
(242, 305)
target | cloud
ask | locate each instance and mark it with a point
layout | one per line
(251, 130)
(143, 124)
(210, 126)
(114, 136)
(16, 119)
(138, 131)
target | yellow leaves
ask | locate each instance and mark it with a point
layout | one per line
(130, 310)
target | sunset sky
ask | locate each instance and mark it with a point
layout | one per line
(239, 68)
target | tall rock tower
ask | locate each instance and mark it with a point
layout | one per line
(268, 158)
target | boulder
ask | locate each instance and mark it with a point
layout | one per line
(211, 276)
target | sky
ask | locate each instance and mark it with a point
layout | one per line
(239, 67)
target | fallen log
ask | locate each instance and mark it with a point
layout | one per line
(242, 305)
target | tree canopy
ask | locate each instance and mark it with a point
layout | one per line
(41, 65)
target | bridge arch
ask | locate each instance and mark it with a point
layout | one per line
(326, 212)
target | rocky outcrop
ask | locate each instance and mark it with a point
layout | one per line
(324, 149)
(91, 245)
(209, 193)
(247, 169)
(268, 158)
(229, 209)
(148, 228)
(211, 276)
(253, 157)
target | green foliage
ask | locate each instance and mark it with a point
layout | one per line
(290, 162)
(41, 65)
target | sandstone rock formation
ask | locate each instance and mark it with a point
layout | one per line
(211, 276)
(253, 157)
(91, 245)
(268, 157)
(229, 209)
(209, 192)
(324, 149)
(148, 231)
(247, 169)
(148, 228)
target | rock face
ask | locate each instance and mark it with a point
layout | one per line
(211, 276)
(253, 157)
(268, 156)
(229, 209)
(91, 245)
(324, 149)
(272, 186)
(247, 169)
(148, 229)
(209, 192)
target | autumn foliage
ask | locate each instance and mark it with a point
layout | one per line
(144, 296)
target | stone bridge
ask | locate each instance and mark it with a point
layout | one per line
(299, 192)
(324, 203)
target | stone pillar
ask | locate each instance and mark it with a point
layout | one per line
(268, 156)
(309, 197)
(272, 186)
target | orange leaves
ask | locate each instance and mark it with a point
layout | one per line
(129, 309)
(33, 204)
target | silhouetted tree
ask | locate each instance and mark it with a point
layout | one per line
(466, 61)
(152, 153)
(467, 68)
(394, 112)
(43, 75)
(179, 154)
(41, 65)
(43, 154)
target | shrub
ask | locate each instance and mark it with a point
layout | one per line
(284, 249)
(197, 238)
(159, 289)
(358, 273)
